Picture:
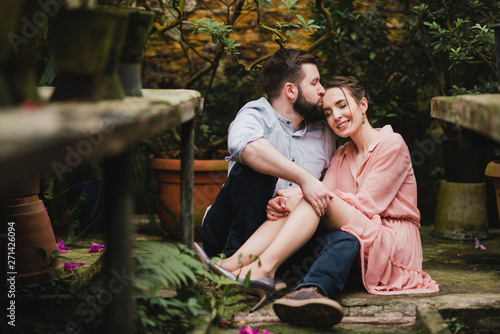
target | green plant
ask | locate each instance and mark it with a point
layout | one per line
(66, 194)
(454, 325)
(197, 291)
(222, 48)
(460, 43)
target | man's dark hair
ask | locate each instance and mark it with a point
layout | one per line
(284, 66)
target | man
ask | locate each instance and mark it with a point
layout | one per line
(279, 144)
(274, 144)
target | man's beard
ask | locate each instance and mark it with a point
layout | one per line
(310, 111)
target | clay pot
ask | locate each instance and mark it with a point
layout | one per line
(209, 176)
(28, 187)
(30, 221)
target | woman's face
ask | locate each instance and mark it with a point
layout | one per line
(343, 116)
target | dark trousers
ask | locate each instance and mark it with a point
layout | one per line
(238, 210)
(333, 266)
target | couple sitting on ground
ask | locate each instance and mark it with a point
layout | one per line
(362, 216)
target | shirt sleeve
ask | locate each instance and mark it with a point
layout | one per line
(387, 175)
(247, 127)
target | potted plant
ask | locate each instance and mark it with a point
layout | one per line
(179, 27)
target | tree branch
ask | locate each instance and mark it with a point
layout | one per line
(176, 22)
(329, 26)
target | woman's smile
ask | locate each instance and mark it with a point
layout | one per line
(343, 125)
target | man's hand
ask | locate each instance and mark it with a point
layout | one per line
(317, 195)
(276, 208)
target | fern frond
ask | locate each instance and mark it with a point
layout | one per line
(164, 265)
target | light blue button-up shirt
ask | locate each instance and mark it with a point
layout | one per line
(311, 147)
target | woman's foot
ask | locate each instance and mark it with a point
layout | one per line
(236, 262)
(256, 270)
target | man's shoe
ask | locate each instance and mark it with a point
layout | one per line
(307, 307)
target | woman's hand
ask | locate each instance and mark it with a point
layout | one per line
(276, 208)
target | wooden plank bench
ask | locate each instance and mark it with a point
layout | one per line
(58, 136)
(479, 113)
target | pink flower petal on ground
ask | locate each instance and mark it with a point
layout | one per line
(61, 247)
(266, 332)
(478, 245)
(71, 265)
(96, 247)
(248, 330)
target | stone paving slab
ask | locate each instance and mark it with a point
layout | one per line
(469, 278)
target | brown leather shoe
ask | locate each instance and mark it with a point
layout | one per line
(307, 307)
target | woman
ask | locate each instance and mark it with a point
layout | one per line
(375, 200)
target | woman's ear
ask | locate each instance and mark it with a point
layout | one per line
(364, 104)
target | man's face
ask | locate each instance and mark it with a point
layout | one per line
(310, 94)
(309, 110)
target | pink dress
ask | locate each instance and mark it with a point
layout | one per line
(386, 219)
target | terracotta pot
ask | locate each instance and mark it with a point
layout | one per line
(493, 170)
(29, 218)
(209, 176)
(29, 187)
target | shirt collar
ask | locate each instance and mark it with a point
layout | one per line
(288, 123)
(381, 134)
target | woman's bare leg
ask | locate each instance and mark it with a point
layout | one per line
(259, 241)
(339, 215)
(296, 231)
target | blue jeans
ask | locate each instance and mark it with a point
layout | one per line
(238, 210)
(333, 264)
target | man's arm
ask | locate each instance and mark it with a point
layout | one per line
(263, 157)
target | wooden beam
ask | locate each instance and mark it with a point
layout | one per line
(480, 113)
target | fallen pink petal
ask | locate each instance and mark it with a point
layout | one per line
(478, 245)
(70, 266)
(248, 330)
(96, 247)
(60, 246)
